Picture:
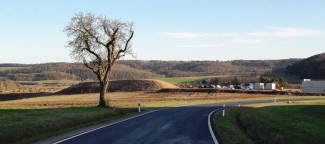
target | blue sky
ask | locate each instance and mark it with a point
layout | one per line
(31, 31)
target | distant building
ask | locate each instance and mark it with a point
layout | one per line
(270, 86)
(259, 86)
(313, 86)
(248, 86)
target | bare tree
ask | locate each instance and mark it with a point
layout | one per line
(99, 42)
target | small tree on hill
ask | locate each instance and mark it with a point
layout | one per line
(237, 81)
(99, 42)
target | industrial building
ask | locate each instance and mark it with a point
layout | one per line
(313, 86)
(270, 86)
(258, 86)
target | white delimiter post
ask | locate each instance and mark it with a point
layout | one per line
(139, 106)
(239, 104)
(224, 110)
(185, 100)
(275, 100)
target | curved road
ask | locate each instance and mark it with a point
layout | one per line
(173, 125)
(188, 124)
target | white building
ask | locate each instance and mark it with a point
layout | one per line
(313, 86)
(270, 86)
(259, 86)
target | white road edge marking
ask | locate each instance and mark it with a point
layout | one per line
(210, 128)
(103, 127)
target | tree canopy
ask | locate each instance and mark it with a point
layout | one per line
(99, 42)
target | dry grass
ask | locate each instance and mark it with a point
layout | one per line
(129, 99)
(164, 84)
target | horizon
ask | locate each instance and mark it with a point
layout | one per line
(32, 32)
(165, 60)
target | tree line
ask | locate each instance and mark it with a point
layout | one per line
(139, 69)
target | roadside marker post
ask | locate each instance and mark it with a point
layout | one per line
(185, 100)
(239, 104)
(224, 110)
(275, 100)
(139, 106)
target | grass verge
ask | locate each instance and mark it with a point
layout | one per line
(297, 124)
(181, 102)
(228, 129)
(31, 125)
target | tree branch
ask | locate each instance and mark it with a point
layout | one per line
(90, 33)
(106, 30)
(125, 47)
(92, 68)
(112, 44)
(92, 52)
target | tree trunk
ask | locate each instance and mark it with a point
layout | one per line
(102, 92)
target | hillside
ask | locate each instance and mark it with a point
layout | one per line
(68, 71)
(311, 68)
(139, 69)
(207, 68)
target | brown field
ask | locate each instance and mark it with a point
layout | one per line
(126, 93)
(129, 99)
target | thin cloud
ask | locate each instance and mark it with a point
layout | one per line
(246, 41)
(202, 46)
(287, 32)
(231, 42)
(195, 35)
(260, 34)
(292, 32)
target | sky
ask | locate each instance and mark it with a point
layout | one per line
(32, 31)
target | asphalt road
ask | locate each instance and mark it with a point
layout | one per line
(188, 124)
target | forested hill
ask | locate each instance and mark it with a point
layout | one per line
(204, 68)
(138, 69)
(312, 67)
(68, 71)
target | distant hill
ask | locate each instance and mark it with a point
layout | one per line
(69, 71)
(139, 69)
(208, 68)
(311, 68)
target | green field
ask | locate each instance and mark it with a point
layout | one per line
(30, 125)
(298, 124)
(180, 80)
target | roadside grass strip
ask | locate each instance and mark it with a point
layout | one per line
(30, 125)
(298, 124)
(229, 130)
